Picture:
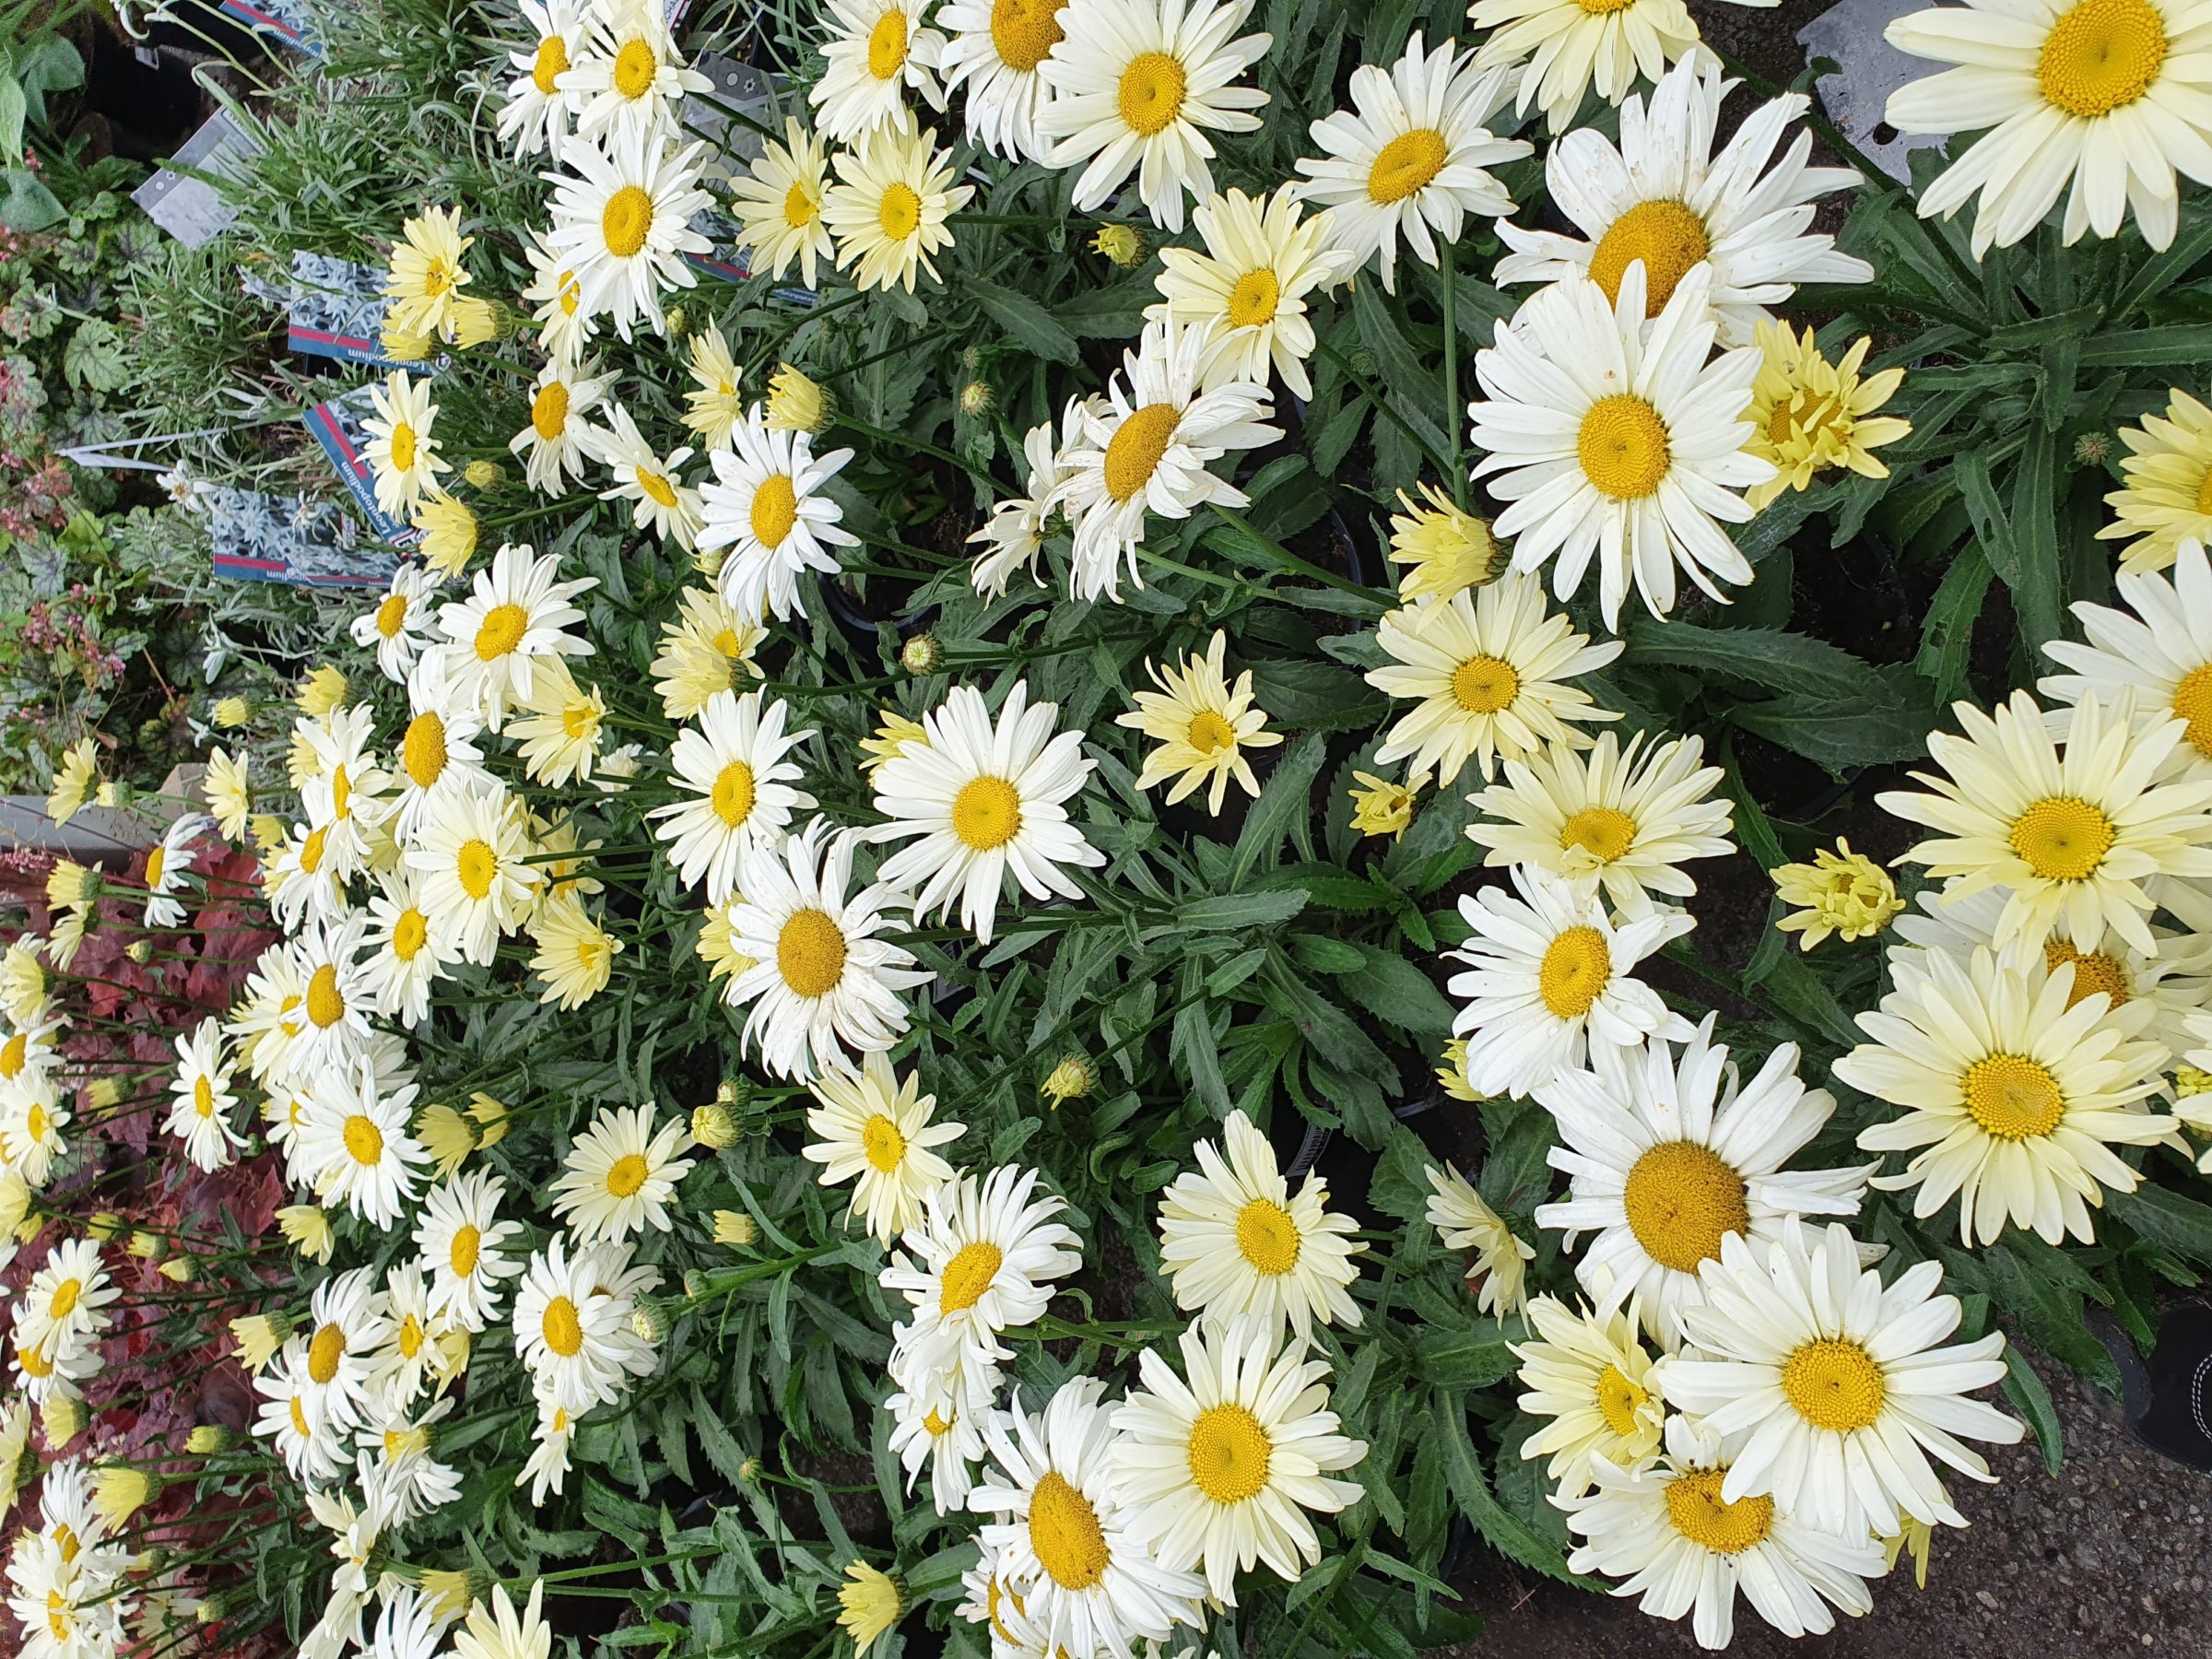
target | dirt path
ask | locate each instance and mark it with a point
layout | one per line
(2110, 1557)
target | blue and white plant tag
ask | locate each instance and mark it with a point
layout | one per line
(338, 426)
(286, 538)
(192, 209)
(336, 310)
(283, 20)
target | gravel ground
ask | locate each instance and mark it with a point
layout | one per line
(2108, 1557)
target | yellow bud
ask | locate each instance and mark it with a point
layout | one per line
(70, 883)
(140, 951)
(63, 1419)
(104, 1225)
(232, 711)
(308, 1230)
(797, 404)
(144, 1245)
(208, 1438)
(712, 1126)
(325, 688)
(104, 1094)
(268, 833)
(177, 1270)
(491, 1117)
(734, 1226)
(258, 1337)
(484, 475)
(119, 1492)
(1119, 243)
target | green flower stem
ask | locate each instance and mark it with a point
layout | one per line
(1454, 420)
(721, 1284)
(923, 338)
(1382, 405)
(843, 419)
(1161, 561)
(1124, 1333)
(1299, 567)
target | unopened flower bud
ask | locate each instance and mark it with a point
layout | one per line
(921, 655)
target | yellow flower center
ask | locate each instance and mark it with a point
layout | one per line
(775, 509)
(2204, 492)
(562, 1330)
(1209, 733)
(938, 1426)
(1623, 446)
(1667, 236)
(1694, 1503)
(626, 221)
(500, 631)
(626, 1175)
(729, 644)
(1681, 1200)
(410, 1337)
(475, 865)
(2012, 1097)
(13, 1054)
(899, 212)
(1253, 299)
(300, 1420)
(883, 1143)
(392, 616)
(656, 485)
(810, 953)
(986, 814)
(310, 851)
(799, 206)
(1228, 1454)
(571, 294)
(1133, 454)
(2093, 971)
(325, 1003)
(63, 1300)
(403, 447)
(364, 1140)
(1809, 412)
(1835, 1384)
(1064, 1532)
(410, 933)
(1406, 164)
(341, 792)
(203, 1097)
(36, 1123)
(1025, 31)
(422, 750)
(1151, 93)
(1605, 832)
(636, 68)
(324, 1349)
(579, 719)
(2102, 56)
(552, 60)
(156, 864)
(549, 411)
(968, 1276)
(887, 44)
(1483, 685)
(35, 1364)
(467, 1245)
(1618, 1400)
(1268, 1237)
(1574, 972)
(2192, 696)
(734, 794)
(2062, 837)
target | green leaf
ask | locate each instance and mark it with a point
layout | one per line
(1038, 330)
(1765, 656)
(1947, 634)
(12, 110)
(2173, 346)
(1314, 697)
(1470, 1355)
(28, 205)
(2167, 1218)
(1502, 1529)
(1394, 991)
(52, 65)
(2032, 1400)
(2035, 579)
(1113, 313)
(1284, 801)
(1887, 719)
(1228, 912)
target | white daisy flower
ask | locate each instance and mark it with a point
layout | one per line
(1086, 1584)
(469, 867)
(1247, 291)
(400, 625)
(713, 404)
(1612, 440)
(345, 1325)
(200, 1116)
(1590, 1375)
(622, 227)
(556, 300)
(663, 502)
(873, 1128)
(1412, 155)
(889, 208)
(313, 1448)
(1217, 1472)
(767, 507)
(1568, 49)
(997, 50)
(575, 1337)
(437, 745)
(1667, 1532)
(403, 457)
(1604, 820)
(462, 1240)
(558, 738)
(2016, 1094)
(820, 984)
(1667, 1158)
(2114, 96)
(1499, 1272)
(1236, 1243)
(402, 1363)
(1842, 1384)
(395, 1464)
(495, 1630)
(1013, 537)
(982, 1257)
(1488, 667)
(627, 82)
(980, 800)
(877, 51)
(169, 868)
(518, 609)
(1665, 198)
(546, 1468)
(344, 800)
(65, 1302)
(738, 778)
(2071, 831)
(778, 201)
(944, 1431)
(1552, 982)
(558, 439)
(619, 1176)
(538, 112)
(358, 1138)
(2161, 655)
(338, 1001)
(1136, 85)
(1146, 451)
